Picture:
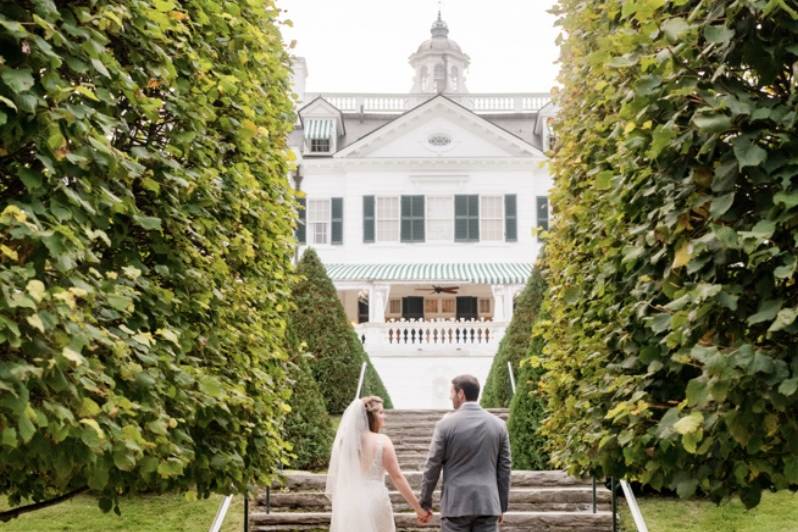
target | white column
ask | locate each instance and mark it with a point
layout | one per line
(378, 302)
(500, 303)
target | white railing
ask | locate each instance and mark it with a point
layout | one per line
(401, 102)
(444, 332)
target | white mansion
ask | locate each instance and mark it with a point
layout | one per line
(423, 207)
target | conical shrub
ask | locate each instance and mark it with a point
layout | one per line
(320, 321)
(515, 344)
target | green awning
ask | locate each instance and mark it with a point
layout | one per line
(471, 272)
(319, 128)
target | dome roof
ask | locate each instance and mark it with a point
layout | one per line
(440, 41)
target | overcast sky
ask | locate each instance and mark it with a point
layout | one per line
(364, 45)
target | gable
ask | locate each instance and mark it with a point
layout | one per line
(439, 128)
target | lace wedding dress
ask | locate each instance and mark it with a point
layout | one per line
(356, 478)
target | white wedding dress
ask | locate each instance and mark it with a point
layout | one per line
(356, 477)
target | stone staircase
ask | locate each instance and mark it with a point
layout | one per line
(539, 500)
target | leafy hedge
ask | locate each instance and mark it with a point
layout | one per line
(321, 323)
(145, 246)
(527, 411)
(308, 427)
(672, 346)
(514, 345)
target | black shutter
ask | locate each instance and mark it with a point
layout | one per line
(302, 221)
(368, 219)
(466, 218)
(510, 218)
(337, 221)
(412, 213)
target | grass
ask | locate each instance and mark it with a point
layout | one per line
(142, 513)
(778, 512)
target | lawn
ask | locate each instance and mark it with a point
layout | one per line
(164, 513)
(778, 512)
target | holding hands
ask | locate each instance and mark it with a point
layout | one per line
(423, 515)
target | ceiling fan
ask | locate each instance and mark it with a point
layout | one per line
(440, 289)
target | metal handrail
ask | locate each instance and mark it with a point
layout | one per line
(634, 508)
(360, 380)
(221, 513)
(512, 377)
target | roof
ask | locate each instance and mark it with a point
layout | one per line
(468, 272)
(512, 137)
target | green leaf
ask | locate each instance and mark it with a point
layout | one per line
(36, 290)
(686, 488)
(788, 386)
(721, 204)
(767, 311)
(689, 423)
(697, 392)
(18, 80)
(9, 437)
(119, 302)
(718, 34)
(784, 319)
(788, 199)
(748, 153)
(148, 222)
(26, 428)
(211, 386)
(715, 123)
(72, 355)
(675, 28)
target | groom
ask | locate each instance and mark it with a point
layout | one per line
(473, 449)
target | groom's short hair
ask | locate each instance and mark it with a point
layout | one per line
(469, 384)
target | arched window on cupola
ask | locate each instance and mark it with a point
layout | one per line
(440, 77)
(424, 81)
(454, 80)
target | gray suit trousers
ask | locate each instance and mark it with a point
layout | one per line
(470, 523)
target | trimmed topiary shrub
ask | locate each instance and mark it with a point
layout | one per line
(672, 347)
(527, 411)
(320, 322)
(515, 343)
(145, 247)
(308, 427)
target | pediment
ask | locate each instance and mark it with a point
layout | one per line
(439, 128)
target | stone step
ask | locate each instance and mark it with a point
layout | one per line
(521, 499)
(305, 481)
(406, 522)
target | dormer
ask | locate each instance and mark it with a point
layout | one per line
(543, 125)
(322, 126)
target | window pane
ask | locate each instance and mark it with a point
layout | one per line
(484, 306)
(318, 220)
(388, 219)
(492, 217)
(448, 305)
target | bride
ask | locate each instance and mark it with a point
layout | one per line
(356, 479)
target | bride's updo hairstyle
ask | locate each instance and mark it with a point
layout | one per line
(373, 405)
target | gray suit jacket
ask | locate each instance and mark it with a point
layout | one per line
(473, 449)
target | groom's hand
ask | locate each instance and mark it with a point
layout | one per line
(427, 517)
(501, 519)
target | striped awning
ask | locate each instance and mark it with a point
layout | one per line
(471, 272)
(316, 128)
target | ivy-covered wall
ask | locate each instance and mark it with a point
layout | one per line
(672, 342)
(145, 245)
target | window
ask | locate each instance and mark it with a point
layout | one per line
(412, 219)
(318, 221)
(466, 218)
(484, 306)
(543, 212)
(491, 224)
(319, 145)
(388, 219)
(430, 306)
(395, 306)
(448, 305)
(440, 218)
(301, 223)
